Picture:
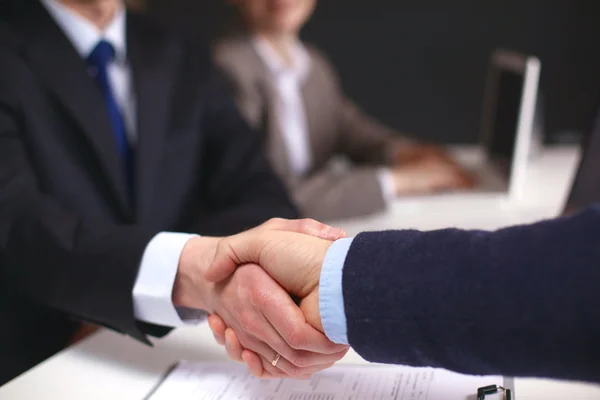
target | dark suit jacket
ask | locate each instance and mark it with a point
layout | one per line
(522, 301)
(70, 240)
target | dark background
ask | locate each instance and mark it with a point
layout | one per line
(422, 68)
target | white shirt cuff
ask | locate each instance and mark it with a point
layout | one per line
(331, 296)
(152, 292)
(387, 184)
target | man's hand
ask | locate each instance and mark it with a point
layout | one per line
(226, 336)
(266, 319)
(416, 153)
(268, 322)
(283, 253)
(200, 252)
(428, 177)
(292, 259)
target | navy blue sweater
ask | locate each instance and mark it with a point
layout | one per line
(521, 301)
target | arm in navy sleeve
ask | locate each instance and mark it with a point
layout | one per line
(521, 301)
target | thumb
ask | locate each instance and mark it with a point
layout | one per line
(310, 308)
(231, 252)
(246, 247)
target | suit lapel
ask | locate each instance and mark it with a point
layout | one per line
(64, 73)
(153, 69)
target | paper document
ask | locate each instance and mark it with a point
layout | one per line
(229, 381)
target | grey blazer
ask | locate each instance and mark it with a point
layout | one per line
(336, 127)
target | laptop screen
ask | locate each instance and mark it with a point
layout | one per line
(586, 187)
(505, 107)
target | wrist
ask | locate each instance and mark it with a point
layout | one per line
(313, 277)
(190, 289)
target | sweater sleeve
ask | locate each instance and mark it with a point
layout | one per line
(521, 301)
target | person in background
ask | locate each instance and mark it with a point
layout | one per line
(291, 92)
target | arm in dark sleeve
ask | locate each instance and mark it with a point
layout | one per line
(86, 268)
(241, 189)
(521, 301)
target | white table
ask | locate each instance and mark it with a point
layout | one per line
(548, 182)
(110, 366)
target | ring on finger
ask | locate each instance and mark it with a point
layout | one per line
(276, 359)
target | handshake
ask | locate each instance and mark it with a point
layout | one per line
(261, 289)
(436, 298)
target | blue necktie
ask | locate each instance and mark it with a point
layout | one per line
(102, 55)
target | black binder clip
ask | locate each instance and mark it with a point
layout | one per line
(493, 389)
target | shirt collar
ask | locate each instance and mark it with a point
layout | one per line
(84, 35)
(300, 58)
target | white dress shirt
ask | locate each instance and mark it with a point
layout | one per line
(288, 79)
(290, 115)
(158, 268)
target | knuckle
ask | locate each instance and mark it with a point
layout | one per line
(249, 323)
(295, 339)
(310, 222)
(245, 341)
(222, 246)
(224, 252)
(232, 354)
(260, 298)
(294, 371)
(300, 361)
(273, 222)
(307, 224)
(271, 370)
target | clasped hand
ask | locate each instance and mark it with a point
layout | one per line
(248, 289)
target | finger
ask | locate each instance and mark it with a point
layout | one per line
(254, 363)
(290, 324)
(274, 306)
(298, 374)
(218, 327)
(255, 366)
(267, 354)
(282, 325)
(233, 346)
(271, 371)
(233, 251)
(303, 358)
(308, 372)
(281, 368)
(311, 227)
(246, 247)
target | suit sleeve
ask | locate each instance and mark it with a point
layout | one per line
(242, 190)
(81, 266)
(360, 137)
(521, 301)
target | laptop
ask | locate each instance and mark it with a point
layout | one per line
(508, 135)
(585, 191)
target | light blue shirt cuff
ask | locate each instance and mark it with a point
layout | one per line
(331, 297)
